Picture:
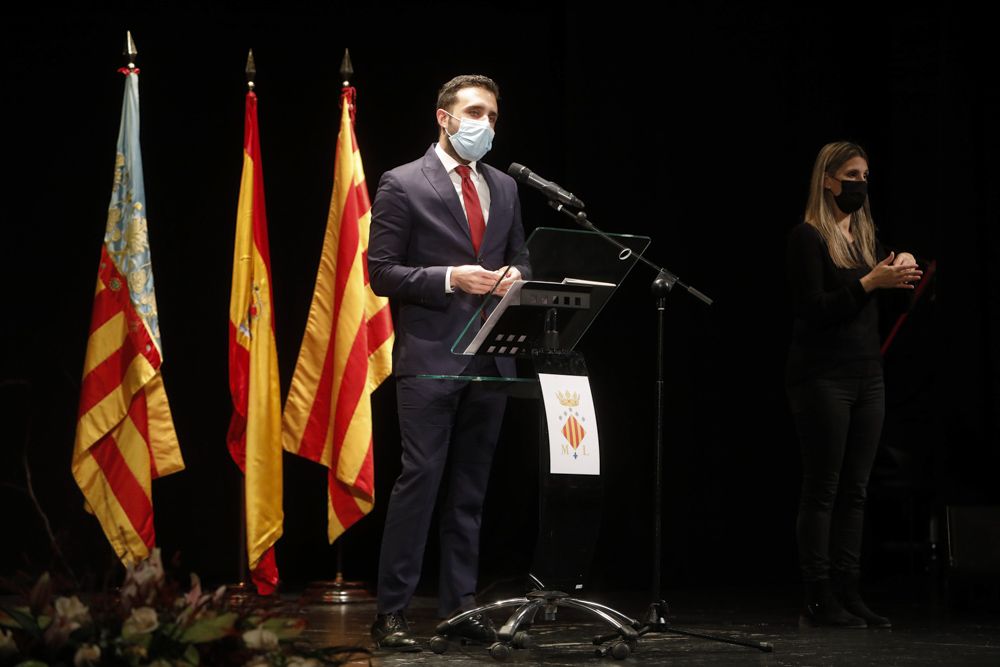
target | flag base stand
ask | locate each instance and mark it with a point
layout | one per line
(337, 591)
(238, 595)
(244, 595)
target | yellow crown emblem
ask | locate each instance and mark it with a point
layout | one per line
(569, 399)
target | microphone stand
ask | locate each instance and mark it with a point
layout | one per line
(658, 611)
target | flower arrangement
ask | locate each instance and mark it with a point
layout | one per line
(149, 621)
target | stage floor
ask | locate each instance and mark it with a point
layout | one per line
(922, 634)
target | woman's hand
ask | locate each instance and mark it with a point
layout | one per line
(892, 273)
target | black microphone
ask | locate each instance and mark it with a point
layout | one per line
(524, 175)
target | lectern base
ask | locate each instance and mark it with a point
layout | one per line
(514, 633)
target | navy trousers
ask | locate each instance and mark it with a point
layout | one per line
(441, 422)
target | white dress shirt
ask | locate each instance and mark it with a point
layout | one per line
(482, 189)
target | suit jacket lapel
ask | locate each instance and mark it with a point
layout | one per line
(441, 182)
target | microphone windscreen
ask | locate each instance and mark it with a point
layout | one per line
(518, 171)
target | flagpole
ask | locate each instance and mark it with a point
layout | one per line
(242, 591)
(251, 74)
(339, 591)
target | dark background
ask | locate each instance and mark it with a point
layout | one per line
(696, 125)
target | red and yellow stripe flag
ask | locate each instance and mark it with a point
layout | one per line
(347, 348)
(255, 430)
(125, 434)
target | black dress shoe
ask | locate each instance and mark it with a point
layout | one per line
(829, 616)
(846, 587)
(478, 628)
(822, 609)
(391, 631)
(858, 607)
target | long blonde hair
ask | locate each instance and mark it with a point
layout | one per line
(819, 210)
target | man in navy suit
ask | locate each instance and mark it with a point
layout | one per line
(445, 229)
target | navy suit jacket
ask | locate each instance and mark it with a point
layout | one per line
(418, 230)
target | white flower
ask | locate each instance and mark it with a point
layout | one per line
(88, 654)
(260, 639)
(7, 644)
(149, 570)
(70, 614)
(142, 580)
(70, 611)
(142, 621)
(129, 590)
(299, 661)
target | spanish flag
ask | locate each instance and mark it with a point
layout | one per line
(255, 429)
(125, 434)
(347, 348)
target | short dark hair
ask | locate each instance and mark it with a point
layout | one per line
(449, 91)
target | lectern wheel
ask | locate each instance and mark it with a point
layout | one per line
(499, 651)
(439, 644)
(620, 650)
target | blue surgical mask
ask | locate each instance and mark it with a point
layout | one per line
(473, 140)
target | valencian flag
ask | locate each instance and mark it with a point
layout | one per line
(125, 434)
(255, 429)
(347, 348)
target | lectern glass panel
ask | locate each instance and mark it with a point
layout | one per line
(568, 276)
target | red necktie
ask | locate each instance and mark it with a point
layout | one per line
(473, 209)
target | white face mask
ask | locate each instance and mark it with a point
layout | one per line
(473, 140)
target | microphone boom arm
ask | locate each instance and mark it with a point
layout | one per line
(664, 277)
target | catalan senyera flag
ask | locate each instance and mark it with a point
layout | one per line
(347, 348)
(255, 429)
(125, 433)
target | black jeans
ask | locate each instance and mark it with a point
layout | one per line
(838, 421)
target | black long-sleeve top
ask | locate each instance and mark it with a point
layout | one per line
(835, 333)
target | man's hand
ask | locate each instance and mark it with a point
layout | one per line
(512, 274)
(473, 279)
